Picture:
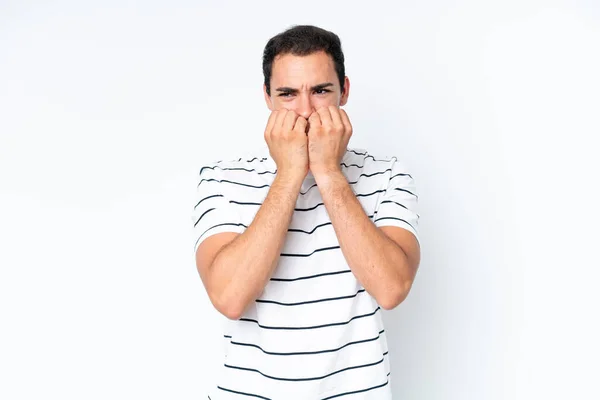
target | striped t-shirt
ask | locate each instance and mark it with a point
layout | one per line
(314, 333)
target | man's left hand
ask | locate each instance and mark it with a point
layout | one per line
(328, 136)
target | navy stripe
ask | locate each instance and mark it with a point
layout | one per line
(237, 169)
(232, 182)
(407, 191)
(216, 226)
(315, 206)
(370, 194)
(305, 353)
(370, 156)
(351, 183)
(391, 201)
(319, 226)
(394, 218)
(309, 232)
(307, 190)
(401, 205)
(310, 301)
(366, 154)
(203, 214)
(352, 165)
(310, 327)
(374, 173)
(382, 160)
(244, 203)
(310, 276)
(244, 394)
(305, 379)
(357, 153)
(260, 204)
(358, 391)
(400, 175)
(300, 230)
(240, 159)
(302, 193)
(309, 254)
(320, 204)
(206, 198)
(310, 208)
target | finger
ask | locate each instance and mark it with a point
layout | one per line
(314, 120)
(270, 123)
(325, 117)
(346, 122)
(290, 120)
(300, 126)
(335, 116)
(281, 113)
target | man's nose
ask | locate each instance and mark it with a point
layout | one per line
(305, 107)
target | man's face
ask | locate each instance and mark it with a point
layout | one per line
(305, 83)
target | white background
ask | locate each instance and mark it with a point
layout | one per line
(108, 109)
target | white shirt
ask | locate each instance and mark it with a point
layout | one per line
(314, 333)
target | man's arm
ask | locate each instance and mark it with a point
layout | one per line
(384, 260)
(235, 273)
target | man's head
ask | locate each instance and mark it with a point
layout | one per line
(303, 69)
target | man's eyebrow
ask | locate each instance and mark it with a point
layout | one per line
(292, 90)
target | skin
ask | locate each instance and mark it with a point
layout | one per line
(384, 260)
(299, 87)
(307, 130)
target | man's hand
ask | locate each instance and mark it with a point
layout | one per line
(328, 136)
(286, 137)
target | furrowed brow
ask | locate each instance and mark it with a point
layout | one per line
(320, 86)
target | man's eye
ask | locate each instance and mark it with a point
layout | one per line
(285, 94)
(323, 91)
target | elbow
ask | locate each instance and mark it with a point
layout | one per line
(233, 313)
(390, 302)
(394, 296)
(230, 307)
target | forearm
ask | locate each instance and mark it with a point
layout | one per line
(378, 263)
(241, 270)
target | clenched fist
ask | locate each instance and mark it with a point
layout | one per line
(286, 137)
(328, 136)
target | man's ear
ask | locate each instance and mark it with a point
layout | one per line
(346, 92)
(267, 98)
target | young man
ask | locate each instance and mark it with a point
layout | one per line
(301, 245)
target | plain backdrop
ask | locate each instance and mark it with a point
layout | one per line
(108, 109)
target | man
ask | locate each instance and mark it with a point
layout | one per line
(301, 245)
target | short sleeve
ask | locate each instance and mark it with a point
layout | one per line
(398, 205)
(212, 212)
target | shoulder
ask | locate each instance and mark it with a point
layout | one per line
(256, 160)
(370, 163)
(245, 175)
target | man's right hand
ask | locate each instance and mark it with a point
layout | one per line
(286, 137)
